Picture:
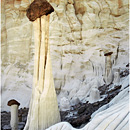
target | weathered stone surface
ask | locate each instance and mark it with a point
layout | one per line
(94, 95)
(64, 104)
(80, 35)
(5, 119)
(113, 115)
(75, 118)
(44, 98)
(81, 109)
(39, 8)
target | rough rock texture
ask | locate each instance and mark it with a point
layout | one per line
(80, 114)
(43, 110)
(14, 117)
(81, 32)
(39, 8)
(112, 116)
(6, 116)
(94, 95)
(17, 53)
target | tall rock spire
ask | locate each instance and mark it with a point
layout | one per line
(43, 110)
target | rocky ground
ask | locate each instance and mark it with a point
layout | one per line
(78, 116)
(81, 113)
(5, 119)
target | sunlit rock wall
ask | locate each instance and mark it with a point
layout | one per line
(81, 32)
(17, 52)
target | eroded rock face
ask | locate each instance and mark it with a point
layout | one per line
(43, 110)
(113, 115)
(38, 8)
(81, 32)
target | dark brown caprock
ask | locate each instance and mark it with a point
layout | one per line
(107, 54)
(13, 102)
(39, 8)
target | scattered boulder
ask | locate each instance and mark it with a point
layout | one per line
(75, 101)
(124, 73)
(81, 109)
(7, 127)
(80, 120)
(94, 95)
(64, 104)
(21, 125)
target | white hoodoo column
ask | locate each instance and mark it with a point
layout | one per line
(108, 68)
(14, 117)
(116, 77)
(94, 94)
(14, 113)
(43, 110)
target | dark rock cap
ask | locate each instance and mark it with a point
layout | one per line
(12, 102)
(107, 54)
(38, 8)
(127, 65)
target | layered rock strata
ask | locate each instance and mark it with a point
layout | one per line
(81, 32)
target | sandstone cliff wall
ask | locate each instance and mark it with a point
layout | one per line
(81, 32)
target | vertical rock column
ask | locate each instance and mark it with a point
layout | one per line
(43, 111)
(94, 94)
(116, 80)
(14, 113)
(108, 68)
